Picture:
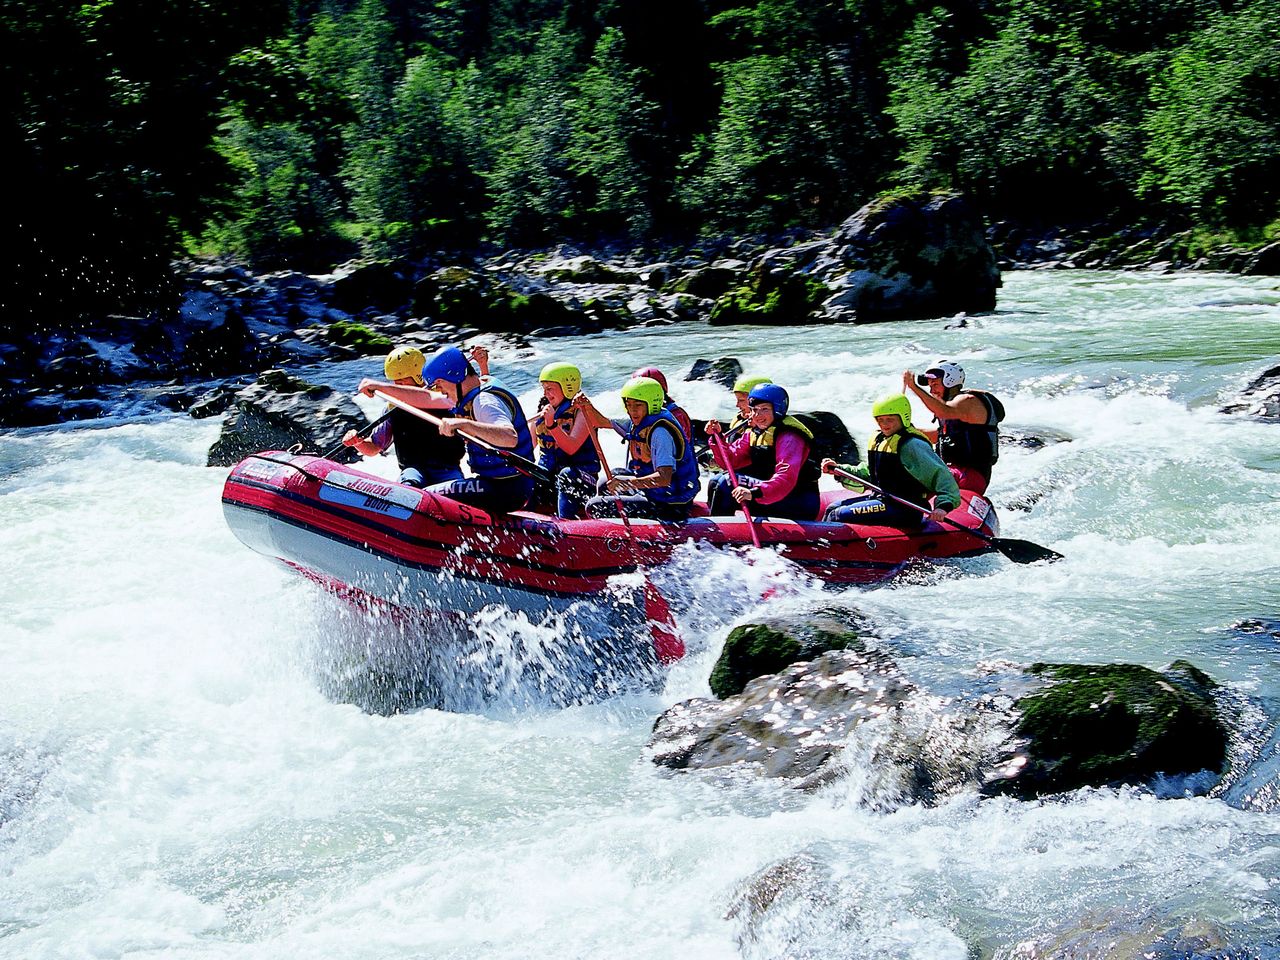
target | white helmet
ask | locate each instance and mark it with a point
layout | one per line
(951, 374)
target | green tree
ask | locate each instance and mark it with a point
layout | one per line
(1215, 129)
(532, 184)
(422, 186)
(610, 120)
(112, 109)
(1038, 123)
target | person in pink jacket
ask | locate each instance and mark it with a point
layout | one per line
(777, 474)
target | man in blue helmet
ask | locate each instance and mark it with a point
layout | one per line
(477, 411)
(777, 475)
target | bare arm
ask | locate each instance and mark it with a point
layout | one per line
(964, 407)
(419, 397)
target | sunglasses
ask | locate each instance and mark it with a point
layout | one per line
(924, 378)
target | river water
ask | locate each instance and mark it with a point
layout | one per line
(181, 776)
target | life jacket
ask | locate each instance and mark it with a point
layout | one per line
(682, 418)
(684, 479)
(972, 444)
(762, 448)
(420, 445)
(549, 453)
(884, 463)
(484, 462)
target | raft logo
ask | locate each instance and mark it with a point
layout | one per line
(365, 494)
(979, 507)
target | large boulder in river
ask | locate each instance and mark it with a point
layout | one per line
(910, 256)
(756, 649)
(1023, 733)
(280, 411)
(1133, 932)
(789, 725)
(1116, 723)
(1261, 398)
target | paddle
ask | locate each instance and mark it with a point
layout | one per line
(365, 429)
(1019, 551)
(733, 479)
(521, 465)
(666, 640)
(728, 435)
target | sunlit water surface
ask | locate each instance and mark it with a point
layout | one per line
(180, 776)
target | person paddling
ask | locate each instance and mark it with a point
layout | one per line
(485, 412)
(425, 457)
(673, 408)
(901, 461)
(777, 474)
(661, 476)
(968, 433)
(564, 442)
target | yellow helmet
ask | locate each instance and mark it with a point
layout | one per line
(747, 382)
(647, 390)
(565, 374)
(405, 363)
(893, 404)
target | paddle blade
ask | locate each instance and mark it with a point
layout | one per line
(1024, 551)
(667, 643)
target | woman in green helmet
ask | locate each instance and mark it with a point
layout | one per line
(901, 461)
(563, 438)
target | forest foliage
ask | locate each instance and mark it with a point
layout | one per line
(302, 132)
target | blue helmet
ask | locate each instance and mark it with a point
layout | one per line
(448, 364)
(770, 393)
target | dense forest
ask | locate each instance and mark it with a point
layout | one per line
(303, 132)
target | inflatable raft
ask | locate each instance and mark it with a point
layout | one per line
(366, 537)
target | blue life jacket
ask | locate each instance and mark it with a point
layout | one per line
(549, 453)
(684, 479)
(484, 462)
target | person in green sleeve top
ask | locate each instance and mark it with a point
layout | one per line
(901, 461)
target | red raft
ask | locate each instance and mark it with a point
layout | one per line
(365, 536)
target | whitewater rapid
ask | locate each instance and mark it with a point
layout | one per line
(181, 776)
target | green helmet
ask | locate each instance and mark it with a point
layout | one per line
(647, 390)
(404, 363)
(893, 404)
(565, 374)
(745, 382)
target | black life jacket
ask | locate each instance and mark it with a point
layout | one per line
(762, 448)
(420, 445)
(974, 445)
(549, 453)
(884, 463)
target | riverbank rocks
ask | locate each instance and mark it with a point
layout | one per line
(280, 411)
(756, 649)
(1261, 398)
(904, 256)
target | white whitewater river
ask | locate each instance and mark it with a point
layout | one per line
(178, 778)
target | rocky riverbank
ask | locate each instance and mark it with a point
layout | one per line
(904, 257)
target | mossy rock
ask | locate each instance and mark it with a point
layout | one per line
(770, 299)
(357, 336)
(1118, 723)
(758, 649)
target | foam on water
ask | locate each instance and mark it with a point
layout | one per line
(178, 777)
